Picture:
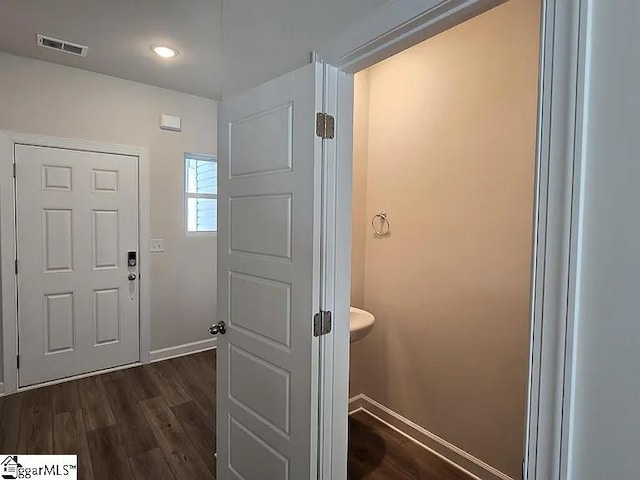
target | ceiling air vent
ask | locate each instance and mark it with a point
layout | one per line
(63, 46)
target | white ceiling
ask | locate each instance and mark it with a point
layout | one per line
(119, 33)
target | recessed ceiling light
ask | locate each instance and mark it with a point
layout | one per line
(164, 51)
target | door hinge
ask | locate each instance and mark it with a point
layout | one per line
(321, 323)
(18, 362)
(16, 266)
(325, 125)
(14, 169)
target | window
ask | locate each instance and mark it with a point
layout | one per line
(201, 193)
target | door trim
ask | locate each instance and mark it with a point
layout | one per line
(336, 275)
(9, 299)
(396, 26)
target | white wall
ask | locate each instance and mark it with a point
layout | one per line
(606, 431)
(43, 98)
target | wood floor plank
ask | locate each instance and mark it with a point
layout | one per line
(133, 385)
(107, 456)
(36, 423)
(10, 415)
(119, 391)
(70, 438)
(207, 360)
(95, 407)
(432, 469)
(182, 457)
(200, 429)
(135, 435)
(151, 465)
(199, 381)
(169, 383)
(376, 451)
(65, 397)
(142, 383)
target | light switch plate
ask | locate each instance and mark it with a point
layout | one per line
(157, 245)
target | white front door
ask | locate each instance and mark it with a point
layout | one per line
(269, 279)
(77, 219)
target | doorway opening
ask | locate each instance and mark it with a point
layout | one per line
(443, 208)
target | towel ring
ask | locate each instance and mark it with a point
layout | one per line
(382, 231)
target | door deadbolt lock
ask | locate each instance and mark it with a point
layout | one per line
(218, 328)
(132, 276)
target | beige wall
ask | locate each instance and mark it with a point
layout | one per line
(43, 98)
(359, 195)
(452, 126)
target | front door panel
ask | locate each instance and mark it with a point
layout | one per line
(77, 219)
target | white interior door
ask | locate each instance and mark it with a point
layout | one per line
(268, 279)
(77, 219)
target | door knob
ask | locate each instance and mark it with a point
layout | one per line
(132, 277)
(218, 328)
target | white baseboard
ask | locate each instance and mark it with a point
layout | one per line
(464, 461)
(180, 350)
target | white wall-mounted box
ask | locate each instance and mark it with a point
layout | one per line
(170, 122)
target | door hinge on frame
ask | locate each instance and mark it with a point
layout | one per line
(16, 266)
(14, 169)
(325, 125)
(18, 362)
(322, 323)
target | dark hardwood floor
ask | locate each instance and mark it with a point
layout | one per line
(157, 422)
(378, 452)
(152, 422)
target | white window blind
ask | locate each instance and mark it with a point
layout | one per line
(201, 193)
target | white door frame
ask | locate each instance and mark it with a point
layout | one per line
(8, 140)
(390, 29)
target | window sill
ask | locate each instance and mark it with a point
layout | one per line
(201, 234)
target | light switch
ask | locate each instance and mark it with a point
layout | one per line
(157, 245)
